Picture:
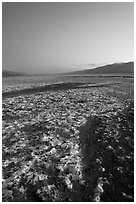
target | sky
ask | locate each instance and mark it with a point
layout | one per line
(47, 36)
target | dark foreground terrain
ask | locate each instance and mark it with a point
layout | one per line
(69, 141)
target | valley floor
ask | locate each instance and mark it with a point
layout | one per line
(69, 144)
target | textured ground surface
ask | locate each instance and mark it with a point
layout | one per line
(69, 145)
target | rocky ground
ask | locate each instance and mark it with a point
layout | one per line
(69, 145)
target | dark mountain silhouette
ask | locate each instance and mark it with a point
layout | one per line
(6, 73)
(116, 68)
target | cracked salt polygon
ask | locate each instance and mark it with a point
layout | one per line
(45, 138)
(53, 151)
(109, 147)
(68, 182)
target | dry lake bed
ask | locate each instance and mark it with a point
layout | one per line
(68, 138)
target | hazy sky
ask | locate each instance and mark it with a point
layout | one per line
(39, 36)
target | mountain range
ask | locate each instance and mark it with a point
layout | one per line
(116, 68)
(7, 73)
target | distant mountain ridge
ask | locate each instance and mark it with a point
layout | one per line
(116, 68)
(6, 73)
